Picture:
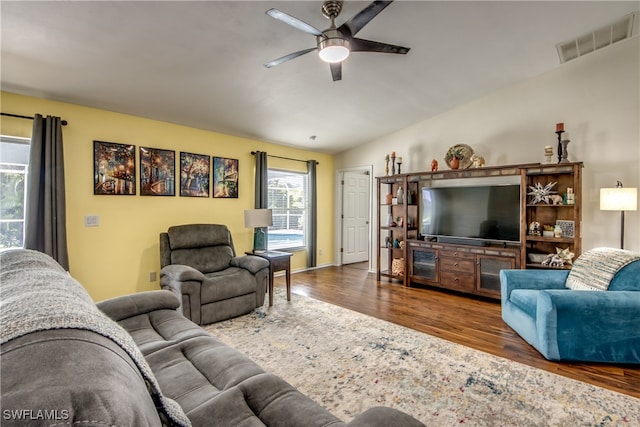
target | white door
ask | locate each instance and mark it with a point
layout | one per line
(355, 216)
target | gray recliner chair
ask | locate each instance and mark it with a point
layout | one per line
(199, 264)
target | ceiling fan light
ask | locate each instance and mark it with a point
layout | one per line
(334, 50)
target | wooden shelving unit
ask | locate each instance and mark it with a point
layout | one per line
(396, 224)
(565, 175)
(472, 269)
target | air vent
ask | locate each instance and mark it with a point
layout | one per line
(609, 34)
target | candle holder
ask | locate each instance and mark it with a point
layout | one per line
(399, 165)
(548, 153)
(386, 166)
(565, 153)
(393, 164)
(559, 133)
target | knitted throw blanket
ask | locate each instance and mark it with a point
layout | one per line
(594, 269)
(60, 302)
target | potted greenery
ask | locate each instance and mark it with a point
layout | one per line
(453, 156)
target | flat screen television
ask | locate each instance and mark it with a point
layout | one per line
(473, 214)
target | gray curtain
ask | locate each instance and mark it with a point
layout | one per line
(45, 221)
(261, 201)
(312, 231)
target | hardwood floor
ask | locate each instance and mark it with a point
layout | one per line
(472, 322)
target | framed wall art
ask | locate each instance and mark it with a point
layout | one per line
(195, 170)
(157, 172)
(114, 168)
(568, 227)
(225, 178)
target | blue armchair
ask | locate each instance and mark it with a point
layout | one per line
(576, 325)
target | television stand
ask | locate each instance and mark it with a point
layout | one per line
(469, 269)
(461, 241)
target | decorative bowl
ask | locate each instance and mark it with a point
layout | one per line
(537, 258)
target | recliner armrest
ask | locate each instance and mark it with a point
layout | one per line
(140, 303)
(251, 263)
(182, 273)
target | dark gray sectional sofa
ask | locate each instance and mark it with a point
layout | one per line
(131, 361)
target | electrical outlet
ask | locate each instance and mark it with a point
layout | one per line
(320, 252)
(152, 276)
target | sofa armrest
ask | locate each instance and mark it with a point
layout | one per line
(251, 263)
(531, 279)
(589, 325)
(384, 417)
(140, 303)
(591, 306)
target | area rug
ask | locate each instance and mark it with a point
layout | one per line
(348, 362)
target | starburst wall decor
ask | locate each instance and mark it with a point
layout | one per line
(541, 194)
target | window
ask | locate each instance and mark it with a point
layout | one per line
(14, 160)
(287, 195)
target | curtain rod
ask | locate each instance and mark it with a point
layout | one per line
(287, 158)
(18, 116)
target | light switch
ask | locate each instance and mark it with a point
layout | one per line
(91, 221)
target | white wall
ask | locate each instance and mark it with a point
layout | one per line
(596, 96)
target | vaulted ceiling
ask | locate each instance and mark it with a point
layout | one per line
(200, 63)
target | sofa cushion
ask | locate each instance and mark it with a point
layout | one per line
(196, 370)
(198, 236)
(159, 329)
(526, 300)
(263, 400)
(207, 260)
(595, 269)
(230, 283)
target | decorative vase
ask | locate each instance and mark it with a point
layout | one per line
(400, 195)
(455, 163)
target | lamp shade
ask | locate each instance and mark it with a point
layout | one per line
(257, 218)
(618, 199)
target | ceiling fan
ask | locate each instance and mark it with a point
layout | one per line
(335, 44)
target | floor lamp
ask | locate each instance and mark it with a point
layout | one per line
(619, 199)
(258, 219)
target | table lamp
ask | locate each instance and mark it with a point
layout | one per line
(619, 199)
(258, 219)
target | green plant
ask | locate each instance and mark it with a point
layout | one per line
(457, 152)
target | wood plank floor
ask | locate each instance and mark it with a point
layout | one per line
(472, 322)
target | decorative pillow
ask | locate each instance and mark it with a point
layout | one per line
(594, 269)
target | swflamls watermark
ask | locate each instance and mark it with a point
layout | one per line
(35, 414)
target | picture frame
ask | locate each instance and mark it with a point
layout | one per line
(114, 169)
(157, 172)
(225, 178)
(195, 171)
(568, 227)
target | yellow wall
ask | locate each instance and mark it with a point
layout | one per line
(117, 257)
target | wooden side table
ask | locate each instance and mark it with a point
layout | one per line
(278, 261)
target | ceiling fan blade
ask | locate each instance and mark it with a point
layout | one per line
(288, 57)
(363, 17)
(361, 45)
(294, 22)
(336, 71)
